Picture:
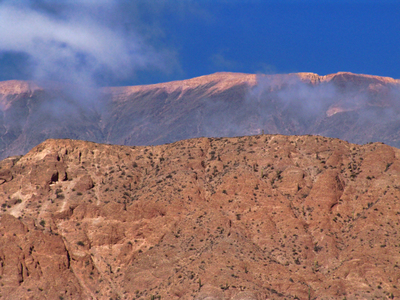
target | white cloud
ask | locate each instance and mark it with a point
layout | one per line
(75, 44)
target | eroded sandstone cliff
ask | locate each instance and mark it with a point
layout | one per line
(255, 217)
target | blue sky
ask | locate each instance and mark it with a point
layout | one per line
(140, 42)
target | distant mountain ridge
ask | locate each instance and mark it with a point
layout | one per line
(353, 107)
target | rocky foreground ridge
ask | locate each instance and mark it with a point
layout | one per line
(255, 217)
(357, 108)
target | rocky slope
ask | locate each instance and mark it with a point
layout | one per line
(357, 108)
(256, 217)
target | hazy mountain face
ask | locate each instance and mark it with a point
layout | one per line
(357, 108)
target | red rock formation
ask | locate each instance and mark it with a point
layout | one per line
(253, 217)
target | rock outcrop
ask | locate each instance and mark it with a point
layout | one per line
(254, 217)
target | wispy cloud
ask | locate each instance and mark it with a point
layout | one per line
(288, 104)
(221, 62)
(80, 42)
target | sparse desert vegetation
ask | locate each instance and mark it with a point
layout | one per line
(254, 217)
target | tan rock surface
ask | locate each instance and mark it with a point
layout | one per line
(256, 217)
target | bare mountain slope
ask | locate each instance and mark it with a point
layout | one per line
(256, 217)
(357, 108)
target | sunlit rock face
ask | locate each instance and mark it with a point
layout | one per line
(253, 217)
(357, 108)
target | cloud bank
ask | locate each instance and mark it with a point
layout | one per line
(286, 104)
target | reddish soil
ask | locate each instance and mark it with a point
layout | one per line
(255, 217)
